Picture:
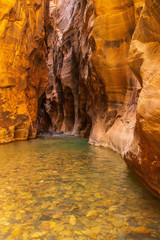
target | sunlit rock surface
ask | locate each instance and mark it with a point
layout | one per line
(144, 58)
(110, 41)
(23, 72)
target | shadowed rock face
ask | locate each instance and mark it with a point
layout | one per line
(68, 67)
(23, 72)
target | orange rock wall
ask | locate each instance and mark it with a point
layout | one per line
(144, 59)
(90, 80)
(23, 72)
(111, 36)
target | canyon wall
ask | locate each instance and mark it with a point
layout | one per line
(91, 85)
(23, 71)
(111, 35)
(103, 60)
(144, 59)
(67, 94)
(92, 90)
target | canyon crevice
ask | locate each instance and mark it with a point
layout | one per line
(103, 75)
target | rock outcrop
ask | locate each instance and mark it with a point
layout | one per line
(23, 71)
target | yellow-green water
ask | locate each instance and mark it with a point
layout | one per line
(65, 189)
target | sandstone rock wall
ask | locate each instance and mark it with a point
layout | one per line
(67, 94)
(111, 36)
(23, 71)
(91, 83)
(144, 59)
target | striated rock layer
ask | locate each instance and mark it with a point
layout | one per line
(110, 41)
(91, 86)
(144, 59)
(90, 82)
(23, 71)
(67, 94)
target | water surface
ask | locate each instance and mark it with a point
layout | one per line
(64, 189)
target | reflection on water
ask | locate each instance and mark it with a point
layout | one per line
(64, 189)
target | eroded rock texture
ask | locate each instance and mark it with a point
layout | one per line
(144, 58)
(110, 41)
(90, 81)
(23, 72)
(66, 94)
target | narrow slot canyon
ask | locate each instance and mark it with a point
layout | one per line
(79, 79)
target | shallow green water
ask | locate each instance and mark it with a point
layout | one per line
(63, 188)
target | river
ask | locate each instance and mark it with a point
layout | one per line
(61, 188)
